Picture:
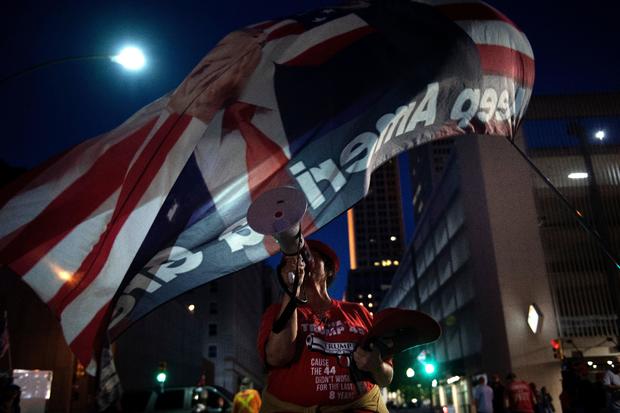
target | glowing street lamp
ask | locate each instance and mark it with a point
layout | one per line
(600, 134)
(131, 58)
(410, 372)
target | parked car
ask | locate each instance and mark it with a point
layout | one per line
(205, 399)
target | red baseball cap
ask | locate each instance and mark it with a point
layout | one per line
(324, 249)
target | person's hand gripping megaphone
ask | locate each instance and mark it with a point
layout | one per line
(293, 266)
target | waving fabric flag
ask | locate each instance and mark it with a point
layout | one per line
(124, 222)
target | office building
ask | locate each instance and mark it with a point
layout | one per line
(210, 330)
(376, 237)
(501, 263)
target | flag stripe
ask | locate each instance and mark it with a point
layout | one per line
(86, 343)
(59, 265)
(503, 61)
(496, 33)
(472, 11)
(85, 195)
(59, 177)
(17, 185)
(286, 30)
(275, 26)
(77, 314)
(137, 182)
(263, 25)
(33, 192)
(34, 196)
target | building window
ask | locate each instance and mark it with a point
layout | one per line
(212, 330)
(212, 351)
(213, 308)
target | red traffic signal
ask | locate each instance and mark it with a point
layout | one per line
(556, 344)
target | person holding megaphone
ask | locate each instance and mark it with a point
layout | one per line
(313, 353)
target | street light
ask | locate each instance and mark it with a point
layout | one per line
(410, 372)
(131, 58)
(600, 134)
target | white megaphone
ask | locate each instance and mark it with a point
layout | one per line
(278, 213)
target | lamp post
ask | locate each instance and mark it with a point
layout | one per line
(131, 58)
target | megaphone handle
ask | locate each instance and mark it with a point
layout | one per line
(281, 321)
(357, 376)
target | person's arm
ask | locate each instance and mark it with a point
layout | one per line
(280, 348)
(371, 362)
(608, 382)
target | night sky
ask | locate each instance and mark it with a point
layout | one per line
(44, 112)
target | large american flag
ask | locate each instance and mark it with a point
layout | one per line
(121, 223)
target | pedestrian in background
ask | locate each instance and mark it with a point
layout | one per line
(519, 395)
(537, 398)
(247, 400)
(499, 394)
(547, 401)
(483, 397)
(611, 381)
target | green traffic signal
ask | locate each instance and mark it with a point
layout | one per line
(162, 374)
(429, 368)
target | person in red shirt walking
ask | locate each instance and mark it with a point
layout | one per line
(519, 395)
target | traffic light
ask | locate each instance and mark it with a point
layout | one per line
(427, 362)
(162, 373)
(556, 345)
(429, 368)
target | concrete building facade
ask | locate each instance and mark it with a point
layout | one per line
(491, 242)
(216, 336)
